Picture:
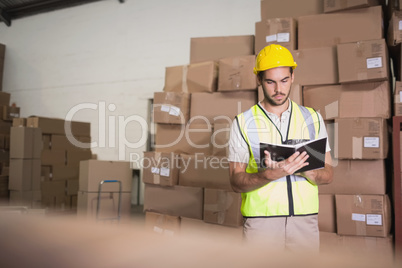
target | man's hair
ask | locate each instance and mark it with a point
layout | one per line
(260, 73)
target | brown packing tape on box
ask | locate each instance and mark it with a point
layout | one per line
(175, 79)
(222, 207)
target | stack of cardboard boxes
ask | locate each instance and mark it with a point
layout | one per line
(187, 176)
(4, 151)
(45, 160)
(343, 72)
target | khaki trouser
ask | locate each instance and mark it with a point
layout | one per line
(283, 233)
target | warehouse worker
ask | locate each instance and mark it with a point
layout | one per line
(279, 206)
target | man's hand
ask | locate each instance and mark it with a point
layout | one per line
(320, 176)
(286, 167)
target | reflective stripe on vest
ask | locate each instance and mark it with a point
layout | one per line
(273, 199)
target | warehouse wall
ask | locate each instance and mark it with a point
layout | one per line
(101, 62)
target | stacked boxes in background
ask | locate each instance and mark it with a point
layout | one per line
(45, 157)
(7, 113)
(25, 166)
(343, 72)
(108, 201)
(187, 176)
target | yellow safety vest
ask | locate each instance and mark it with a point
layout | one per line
(290, 195)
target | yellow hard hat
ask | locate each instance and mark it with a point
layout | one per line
(273, 56)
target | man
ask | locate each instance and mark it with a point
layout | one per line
(279, 206)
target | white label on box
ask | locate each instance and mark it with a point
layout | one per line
(270, 38)
(374, 219)
(165, 172)
(358, 217)
(165, 108)
(400, 25)
(400, 96)
(155, 170)
(283, 37)
(174, 111)
(374, 63)
(371, 142)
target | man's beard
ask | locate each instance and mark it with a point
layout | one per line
(271, 100)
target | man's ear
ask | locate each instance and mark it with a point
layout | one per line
(258, 79)
(293, 76)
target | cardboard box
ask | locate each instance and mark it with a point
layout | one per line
(236, 73)
(363, 215)
(357, 177)
(369, 99)
(8, 113)
(175, 79)
(202, 77)
(60, 126)
(355, 25)
(222, 106)
(222, 207)
(364, 99)
(24, 175)
(177, 200)
(25, 142)
(53, 157)
(171, 107)
(220, 139)
(394, 34)
(280, 31)
(189, 139)
(162, 224)
(377, 250)
(361, 138)
(92, 172)
(339, 5)
(215, 48)
(324, 99)
(4, 96)
(290, 8)
(19, 122)
(316, 66)
(74, 157)
(87, 204)
(161, 168)
(327, 213)
(205, 171)
(363, 61)
(380, 249)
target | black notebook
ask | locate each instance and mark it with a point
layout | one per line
(279, 152)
